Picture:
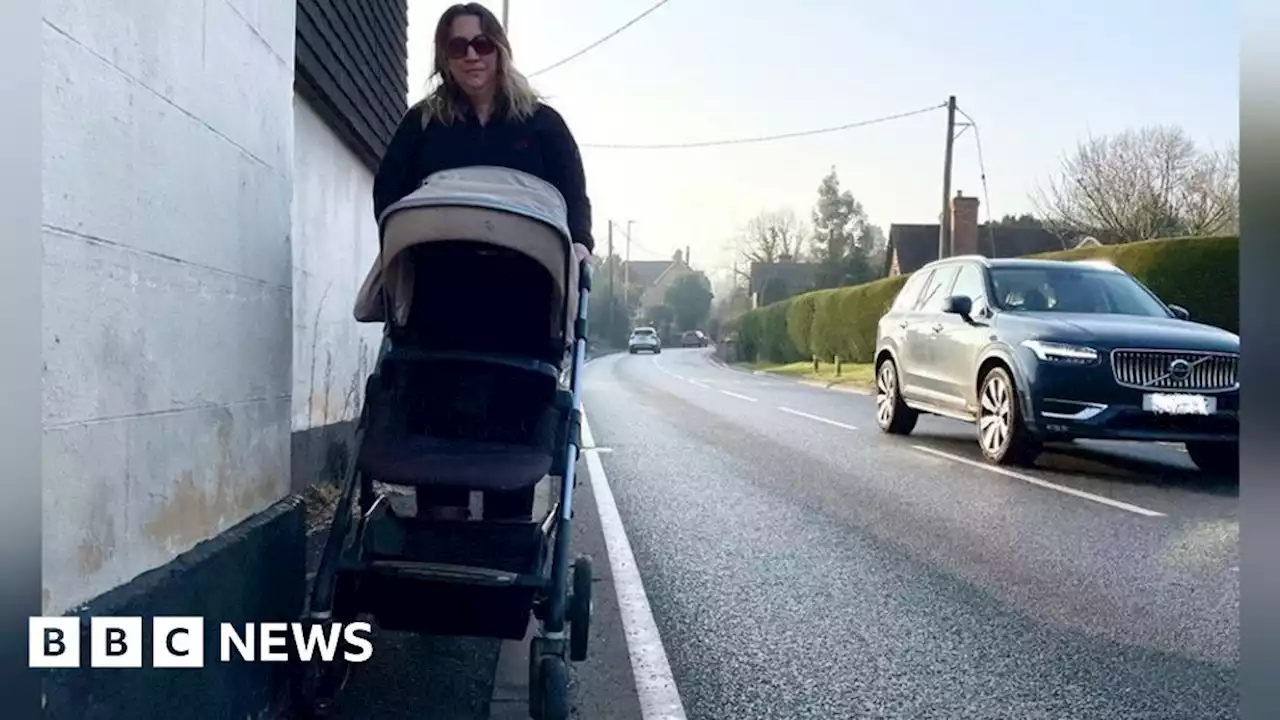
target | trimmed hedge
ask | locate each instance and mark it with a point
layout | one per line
(1201, 273)
(800, 314)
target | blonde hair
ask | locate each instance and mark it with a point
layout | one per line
(446, 102)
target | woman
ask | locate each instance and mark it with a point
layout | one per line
(482, 112)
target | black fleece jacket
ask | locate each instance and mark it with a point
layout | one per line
(541, 146)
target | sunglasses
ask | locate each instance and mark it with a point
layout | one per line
(458, 46)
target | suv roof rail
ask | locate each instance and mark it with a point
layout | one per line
(956, 258)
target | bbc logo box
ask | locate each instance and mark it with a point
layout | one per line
(179, 642)
(116, 642)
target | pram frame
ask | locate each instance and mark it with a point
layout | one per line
(553, 602)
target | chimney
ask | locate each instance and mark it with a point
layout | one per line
(964, 225)
(686, 254)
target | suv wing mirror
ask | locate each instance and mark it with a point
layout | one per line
(961, 305)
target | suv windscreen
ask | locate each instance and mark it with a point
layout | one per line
(971, 284)
(643, 333)
(1069, 289)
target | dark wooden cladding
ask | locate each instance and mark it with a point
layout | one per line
(352, 66)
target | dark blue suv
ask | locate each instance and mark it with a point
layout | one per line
(1035, 351)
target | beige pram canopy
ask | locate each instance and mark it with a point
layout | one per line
(495, 207)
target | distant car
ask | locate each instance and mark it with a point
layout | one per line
(693, 338)
(644, 339)
(1034, 351)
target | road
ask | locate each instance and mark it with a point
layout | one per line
(797, 564)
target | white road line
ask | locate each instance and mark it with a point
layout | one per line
(655, 685)
(1042, 483)
(757, 375)
(668, 373)
(696, 383)
(817, 417)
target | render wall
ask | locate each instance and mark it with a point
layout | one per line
(335, 241)
(168, 162)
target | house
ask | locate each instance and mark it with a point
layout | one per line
(913, 246)
(655, 277)
(206, 224)
(772, 282)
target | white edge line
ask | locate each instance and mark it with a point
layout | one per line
(1042, 483)
(667, 372)
(818, 418)
(740, 397)
(655, 685)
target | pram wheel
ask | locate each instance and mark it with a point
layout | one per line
(316, 687)
(579, 615)
(535, 683)
(553, 690)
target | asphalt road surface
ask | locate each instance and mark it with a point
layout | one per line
(765, 552)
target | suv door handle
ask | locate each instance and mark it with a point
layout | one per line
(937, 327)
(902, 325)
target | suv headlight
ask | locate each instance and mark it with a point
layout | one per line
(1059, 352)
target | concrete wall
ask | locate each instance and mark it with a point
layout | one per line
(168, 154)
(335, 240)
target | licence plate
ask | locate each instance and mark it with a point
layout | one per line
(1179, 404)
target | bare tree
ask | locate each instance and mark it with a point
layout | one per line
(772, 236)
(1210, 198)
(1137, 185)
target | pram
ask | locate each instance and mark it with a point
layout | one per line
(469, 394)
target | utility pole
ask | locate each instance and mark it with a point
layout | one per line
(945, 245)
(506, 10)
(612, 301)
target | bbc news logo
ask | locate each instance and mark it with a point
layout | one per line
(179, 642)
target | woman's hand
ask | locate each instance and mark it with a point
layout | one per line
(581, 252)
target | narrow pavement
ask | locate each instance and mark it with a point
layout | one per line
(796, 563)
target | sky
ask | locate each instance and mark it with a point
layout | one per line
(1036, 77)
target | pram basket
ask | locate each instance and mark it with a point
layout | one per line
(468, 394)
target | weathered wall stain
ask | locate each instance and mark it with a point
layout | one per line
(195, 511)
(98, 544)
(318, 406)
(96, 549)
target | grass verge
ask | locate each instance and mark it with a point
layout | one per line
(852, 375)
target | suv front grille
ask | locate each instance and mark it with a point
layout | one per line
(1175, 370)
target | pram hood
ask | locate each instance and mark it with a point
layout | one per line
(483, 204)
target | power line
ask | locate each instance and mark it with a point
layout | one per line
(982, 169)
(602, 40)
(766, 138)
(635, 244)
